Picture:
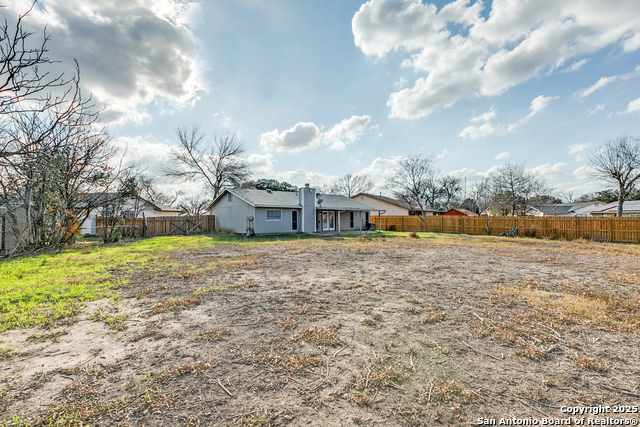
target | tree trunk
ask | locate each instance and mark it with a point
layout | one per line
(621, 197)
(423, 217)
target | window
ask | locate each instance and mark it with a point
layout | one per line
(274, 215)
(366, 216)
(351, 220)
(294, 220)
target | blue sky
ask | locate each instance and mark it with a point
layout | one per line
(317, 89)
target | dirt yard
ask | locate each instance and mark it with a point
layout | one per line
(440, 330)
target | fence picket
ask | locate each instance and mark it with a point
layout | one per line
(626, 229)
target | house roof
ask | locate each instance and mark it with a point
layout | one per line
(289, 199)
(628, 206)
(463, 211)
(562, 208)
(333, 201)
(396, 202)
(101, 199)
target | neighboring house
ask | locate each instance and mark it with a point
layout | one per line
(389, 206)
(304, 211)
(564, 209)
(459, 212)
(629, 208)
(133, 207)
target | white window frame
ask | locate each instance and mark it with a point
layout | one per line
(279, 218)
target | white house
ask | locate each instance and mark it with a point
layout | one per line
(133, 207)
(391, 206)
(564, 209)
(305, 211)
(629, 208)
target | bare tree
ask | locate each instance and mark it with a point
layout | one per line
(618, 160)
(23, 86)
(60, 158)
(481, 193)
(219, 164)
(350, 185)
(148, 189)
(434, 192)
(451, 189)
(195, 205)
(411, 181)
(513, 186)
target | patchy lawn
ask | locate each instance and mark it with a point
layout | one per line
(392, 330)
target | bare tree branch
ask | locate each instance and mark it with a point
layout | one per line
(411, 182)
(513, 186)
(219, 165)
(618, 160)
(350, 185)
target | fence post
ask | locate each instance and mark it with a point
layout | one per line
(544, 221)
(463, 219)
(441, 224)
(577, 227)
(402, 223)
(610, 223)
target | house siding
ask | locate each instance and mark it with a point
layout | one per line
(391, 209)
(232, 215)
(282, 226)
(358, 218)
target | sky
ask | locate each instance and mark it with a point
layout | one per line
(318, 89)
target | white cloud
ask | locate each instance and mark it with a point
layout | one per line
(597, 108)
(299, 137)
(576, 65)
(347, 131)
(502, 156)
(597, 85)
(634, 106)
(470, 174)
(578, 151)
(442, 155)
(632, 43)
(537, 105)
(583, 173)
(550, 171)
(307, 135)
(143, 151)
(300, 177)
(130, 53)
(223, 118)
(459, 53)
(400, 83)
(486, 117)
(262, 164)
(476, 132)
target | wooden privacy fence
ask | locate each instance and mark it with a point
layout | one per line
(609, 229)
(157, 226)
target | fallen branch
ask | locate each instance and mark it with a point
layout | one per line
(619, 390)
(338, 352)
(227, 391)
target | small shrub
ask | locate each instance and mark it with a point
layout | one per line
(414, 235)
